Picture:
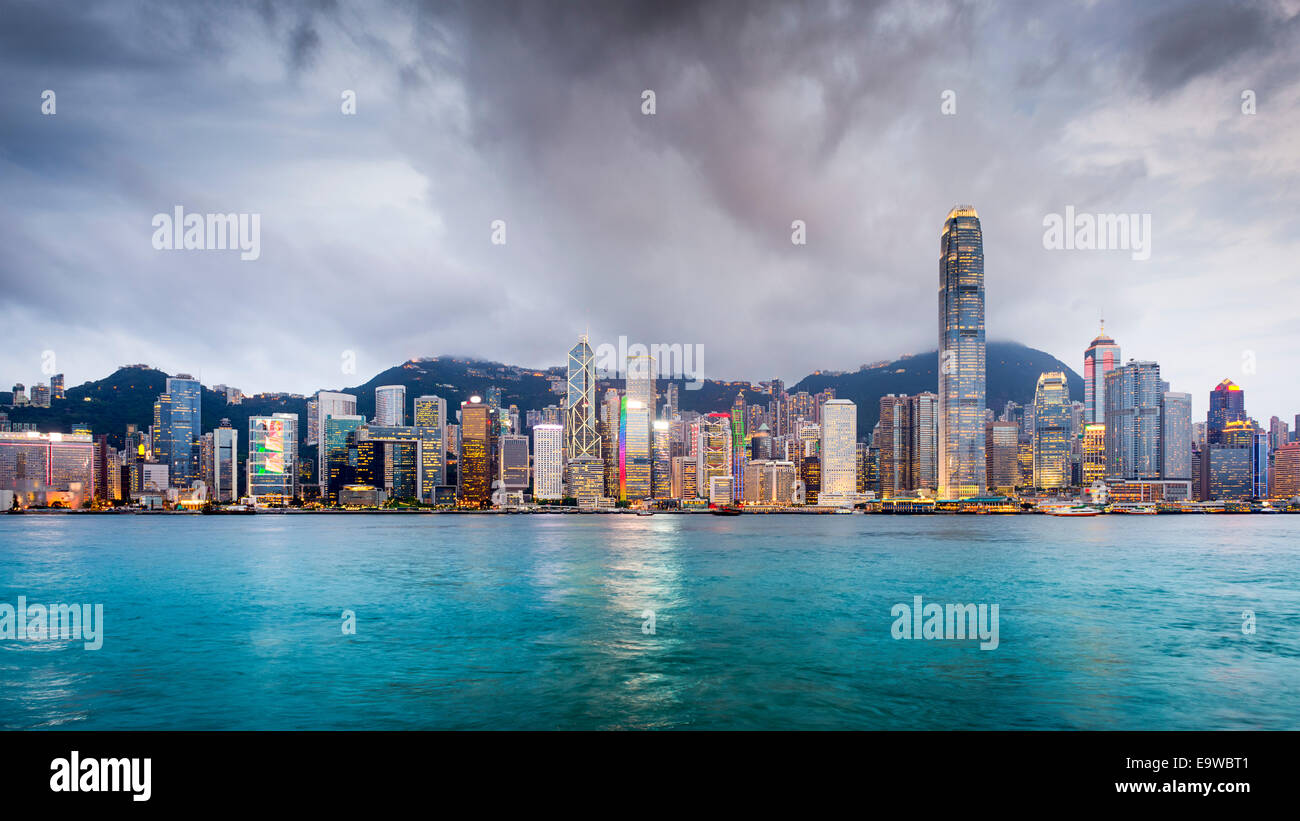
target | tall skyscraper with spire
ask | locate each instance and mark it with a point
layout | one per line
(1102, 357)
(580, 437)
(961, 355)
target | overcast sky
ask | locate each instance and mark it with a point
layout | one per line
(672, 227)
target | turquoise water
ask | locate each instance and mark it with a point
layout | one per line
(759, 622)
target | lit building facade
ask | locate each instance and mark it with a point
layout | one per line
(1134, 394)
(1176, 435)
(475, 452)
(961, 355)
(839, 452)
(390, 405)
(548, 461)
(1051, 432)
(1101, 357)
(273, 457)
(1227, 404)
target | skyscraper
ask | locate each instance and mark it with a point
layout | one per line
(1227, 404)
(390, 405)
(713, 450)
(475, 452)
(839, 452)
(1286, 471)
(329, 403)
(180, 420)
(581, 441)
(1133, 397)
(1176, 436)
(431, 427)
(661, 459)
(961, 355)
(548, 461)
(273, 457)
(1051, 432)
(225, 456)
(641, 382)
(634, 457)
(335, 430)
(895, 444)
(1102, 357)
(512, 461)
(1001, 447)
(56, 386)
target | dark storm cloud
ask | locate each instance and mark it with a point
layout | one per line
(1187, 41)
(672, 228)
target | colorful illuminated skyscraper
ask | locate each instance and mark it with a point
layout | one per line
(1101, 357)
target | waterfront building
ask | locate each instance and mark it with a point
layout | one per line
(475, 451)
(336, 432)
(273, 458)
(961, 356)
(634, 456)
(713, 449)
(1001, 455)
(839, 464)
(1093, 458)
(1286, 471)
(1051, 443)
(580, 437)
(1176, 435)
(769, 482)
(1134, 394)
(512, 458)
(225, 461)
(431, 426)
(548, 461)
(661, 452)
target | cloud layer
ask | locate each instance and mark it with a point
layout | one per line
(376, 228)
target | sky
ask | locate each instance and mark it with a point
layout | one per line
(865, 121)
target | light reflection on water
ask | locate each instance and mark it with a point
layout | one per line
(760, 622)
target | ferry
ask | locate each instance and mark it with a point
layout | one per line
(1138, 509)
(728, 510)
(1073, 510)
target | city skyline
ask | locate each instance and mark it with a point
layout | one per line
(1043, 123)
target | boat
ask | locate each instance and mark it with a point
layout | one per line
(645, 513)
(728, 510)
(1141, 509)
(1073, 510)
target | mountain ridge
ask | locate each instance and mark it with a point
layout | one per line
(127, 395)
